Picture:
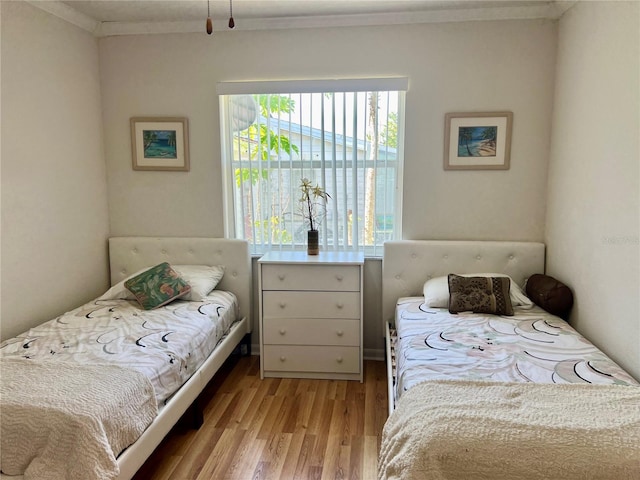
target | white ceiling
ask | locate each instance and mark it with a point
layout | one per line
(118, 17)
(163, 10)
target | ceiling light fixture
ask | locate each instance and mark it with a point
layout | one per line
(209, 22)
(232, 23)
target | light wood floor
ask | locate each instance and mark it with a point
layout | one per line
(278, 429)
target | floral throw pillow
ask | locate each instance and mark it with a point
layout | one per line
(157, 286)
(479, 295)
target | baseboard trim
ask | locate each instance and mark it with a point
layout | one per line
(377, 354)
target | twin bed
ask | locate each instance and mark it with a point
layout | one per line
(478, 395)
(121, 376)
(470, 395)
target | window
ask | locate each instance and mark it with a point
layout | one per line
(344, 135)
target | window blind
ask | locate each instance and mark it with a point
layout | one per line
(337, 134)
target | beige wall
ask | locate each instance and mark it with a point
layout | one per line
(474, 66)
(54, 194)
(54, 197)
(594, 205)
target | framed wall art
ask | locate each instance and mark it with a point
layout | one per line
(477, 141)
(160, 143)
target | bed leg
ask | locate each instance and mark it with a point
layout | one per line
(245, 345)
(197, 415)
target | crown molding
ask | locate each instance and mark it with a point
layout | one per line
(562, 6)
(68, 14)
(551, 10)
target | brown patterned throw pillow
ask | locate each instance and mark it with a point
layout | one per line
(479, 295)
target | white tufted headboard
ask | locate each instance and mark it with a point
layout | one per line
(407, 264)
(127, 255)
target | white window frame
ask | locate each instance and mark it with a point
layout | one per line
(226, 89)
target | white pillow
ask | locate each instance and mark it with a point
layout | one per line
(202, 278)
(436, 291)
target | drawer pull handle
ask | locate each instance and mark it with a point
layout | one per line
(282, 304)
(340, 333)
(281, 277)
(282, 331)
(283, 358)
(339, 277)
(340, 305)
(339, 359)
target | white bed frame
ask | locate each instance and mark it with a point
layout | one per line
(407, 264)
(127, 255)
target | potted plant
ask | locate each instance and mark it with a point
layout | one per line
(314, 200)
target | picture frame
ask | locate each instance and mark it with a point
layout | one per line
(160, 143)
(477, 141)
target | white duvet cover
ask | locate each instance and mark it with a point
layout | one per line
(530, 346)
(167, 345)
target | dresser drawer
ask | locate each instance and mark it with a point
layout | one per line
(316, 277)
(311, 331)
(310, 304)
(293, 358)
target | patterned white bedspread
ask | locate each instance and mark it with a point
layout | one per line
(67, 421)
(167, 344)
(532, 346)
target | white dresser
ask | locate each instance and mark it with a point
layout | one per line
(311, 315)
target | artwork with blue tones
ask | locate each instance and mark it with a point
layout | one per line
(159, 143)
(477, 141)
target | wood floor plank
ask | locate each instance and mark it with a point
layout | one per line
(222, 455)
(321, 414)
(218, 407)
(245, 463)
(225, 417)
(256, 420)
(356, 462)
(272, 416)
(322, 432)
(315, 473)
(288, 429)
(288, 387)
(293, 453)
(304, 412)
(302, 463)
(291, 414)
(371, 447)
(260, 473)
(340, 421)
(257, 409)
(282, 423)
(275, 453)
(341, 389)
(306, 385)
(344, 462)
(196, 457)
(331, 458)
(167, 468)
(370, 403)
